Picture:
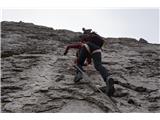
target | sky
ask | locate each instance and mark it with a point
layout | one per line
(133, 23)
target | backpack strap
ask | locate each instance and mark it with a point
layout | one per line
(89, 51)
(87, 47)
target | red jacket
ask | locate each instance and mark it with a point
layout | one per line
(77, 45)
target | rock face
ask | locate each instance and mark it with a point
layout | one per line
(36, 77)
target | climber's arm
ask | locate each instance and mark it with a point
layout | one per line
(75, 46)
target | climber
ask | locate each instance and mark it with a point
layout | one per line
(78, 46)
(92, 47)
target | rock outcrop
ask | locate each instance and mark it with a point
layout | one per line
(36, 77)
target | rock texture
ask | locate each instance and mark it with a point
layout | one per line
(36, 77)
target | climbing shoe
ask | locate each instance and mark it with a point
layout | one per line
(110, 87)
(78, 77)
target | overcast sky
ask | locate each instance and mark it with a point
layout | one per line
(134, 23)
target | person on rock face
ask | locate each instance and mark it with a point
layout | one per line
(92, 47)
(79, 45)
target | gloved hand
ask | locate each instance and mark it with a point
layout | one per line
(65, 53)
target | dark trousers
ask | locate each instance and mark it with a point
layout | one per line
(97, 60)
